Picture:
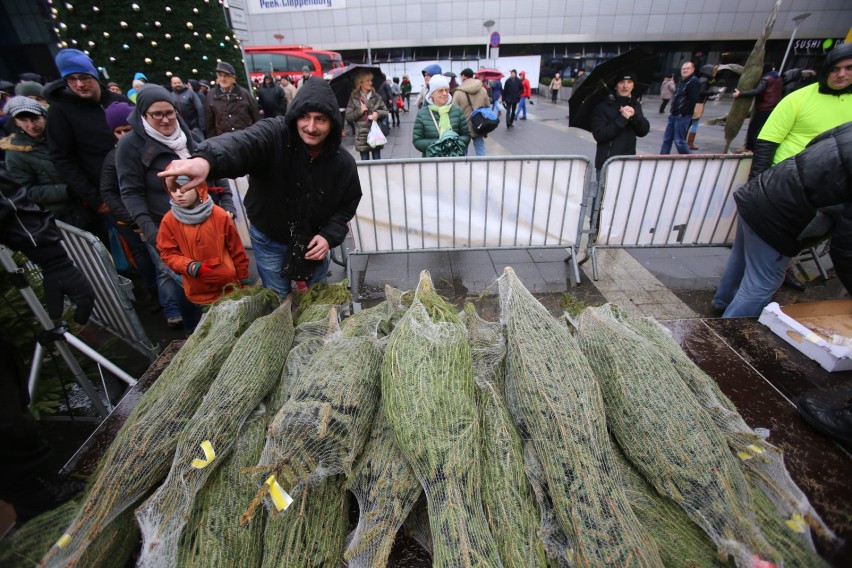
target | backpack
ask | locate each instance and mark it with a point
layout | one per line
(483, 120)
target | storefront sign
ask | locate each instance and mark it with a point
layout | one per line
(256, 7)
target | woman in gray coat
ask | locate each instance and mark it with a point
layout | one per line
(365, 107)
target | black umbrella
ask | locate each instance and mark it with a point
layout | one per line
(601, 81)
(343, 81)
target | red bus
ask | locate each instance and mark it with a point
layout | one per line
(279, 60)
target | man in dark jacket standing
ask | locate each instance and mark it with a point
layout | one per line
(512, 90)
(77, 132)
(188, 105)
(788, 208)
(229, 106)
(322, 190)
(767, 94)
(271, 97)
(617, 122)
(683, 106)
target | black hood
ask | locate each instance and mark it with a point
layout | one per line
(316, 96)
(835, 55)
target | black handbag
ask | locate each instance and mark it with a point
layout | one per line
(296, 266)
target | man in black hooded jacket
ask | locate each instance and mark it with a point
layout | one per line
(617, 121)
(788, 208)
(303, 189)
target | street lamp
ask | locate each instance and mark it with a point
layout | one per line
(798, 19)
(488, 24)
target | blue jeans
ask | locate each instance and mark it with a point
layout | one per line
(522, 108)
(753, 273)
(676, 128)
(270, 257)
(478, 145)
(171, 295)
(377, 154)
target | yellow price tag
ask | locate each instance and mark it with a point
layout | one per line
(64, 540)
(744, 456)
(280, 498)
(209, 455)
(797, 523)
(755, 449)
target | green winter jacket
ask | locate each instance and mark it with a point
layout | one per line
(426, 130)
(28, 162)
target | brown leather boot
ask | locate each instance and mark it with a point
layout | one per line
(690, 138)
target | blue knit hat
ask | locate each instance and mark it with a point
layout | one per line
(70, 61)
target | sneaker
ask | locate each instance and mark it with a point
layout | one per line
(829, 419)
(174, 322)
(522, 118)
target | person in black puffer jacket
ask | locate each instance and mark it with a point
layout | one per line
(271, 98)
(618, 121)
(303, 186)
(790, 207)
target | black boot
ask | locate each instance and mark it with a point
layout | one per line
(830, 419)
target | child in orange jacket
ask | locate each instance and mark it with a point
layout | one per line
(198, 240)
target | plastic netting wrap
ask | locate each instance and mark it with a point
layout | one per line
(416, 526)
(213, 535)
(556, 542)
(142, 452)
(429, 399)
(252, 369)
(763, 462)
(386, 489)
(282, 530)
(680, 541)
(509, 502)
(25, 547)
(312, 531)
(556, 403)
(323, 426)
(670, 439)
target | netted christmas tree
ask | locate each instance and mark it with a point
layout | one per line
(159, 38)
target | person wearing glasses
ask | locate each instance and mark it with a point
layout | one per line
(158, 136)
(78, 136)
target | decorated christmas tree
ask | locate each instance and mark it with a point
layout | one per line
(159, 38)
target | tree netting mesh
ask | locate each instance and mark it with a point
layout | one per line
(416, 526)
(429, 400)
(312, 531)
(25, 547)
(386, 489)
(323, 426)
(213, 535)
(556, 543)
(763, 462)
(556, 403)
(142, 452)
(680, 541)
(252, 369)
(507, 497)
(666, 434)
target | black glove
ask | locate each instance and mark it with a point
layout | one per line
(62, 278)
(761, 160)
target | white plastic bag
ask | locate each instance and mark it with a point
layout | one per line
(376, 138)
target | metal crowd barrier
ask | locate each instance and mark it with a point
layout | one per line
(113, 310)
(471, 203)
(667, 201)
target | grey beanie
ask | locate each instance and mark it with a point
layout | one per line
(28, 89)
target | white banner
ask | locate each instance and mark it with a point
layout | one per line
(464, 203)
(256, 7)
(670, 200)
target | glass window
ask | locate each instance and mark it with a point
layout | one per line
(259, 62)
(296, 63)
(278, 62)
(326, 62)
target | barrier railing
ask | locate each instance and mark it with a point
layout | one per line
(471, 203)
(113, 310)
(668, 201)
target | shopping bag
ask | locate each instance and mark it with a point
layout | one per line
(376, 137)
